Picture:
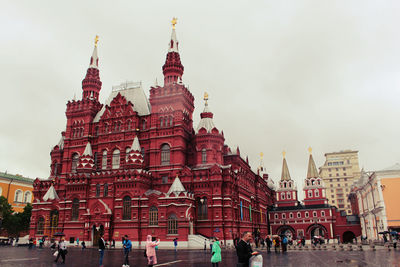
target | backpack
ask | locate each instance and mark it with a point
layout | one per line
(284, 241)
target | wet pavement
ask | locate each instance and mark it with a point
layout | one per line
(22, 256)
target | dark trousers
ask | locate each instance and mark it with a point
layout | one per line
(269, 248)
(61, 253)
(215, 264)
(126, 260)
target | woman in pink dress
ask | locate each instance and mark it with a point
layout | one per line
(151, 251)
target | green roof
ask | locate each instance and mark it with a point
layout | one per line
(16, 177)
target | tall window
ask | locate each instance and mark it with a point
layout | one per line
(53, 221)
(161, 122)
(165, 154)
(18, 196)
(40, 226)
(115, 159)
(96, 160)
(142, 152)
(204, 156)
(153, 216)
(27, 197)
(105, 190)
(104, 160)
(75, 160)
(97, 190)
(126, 211)
(172, 224)
(127, 150)
(75, 209)
(202, 213)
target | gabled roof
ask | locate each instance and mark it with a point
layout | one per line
(88, 150)
(176, 187)
(136, 144)
(285, 171)
(51, 194)
(132, 92)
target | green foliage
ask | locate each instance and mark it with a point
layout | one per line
(14, 223)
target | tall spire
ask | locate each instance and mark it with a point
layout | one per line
(91, 85)
(173, 68)
(285, 170)
(312, 169)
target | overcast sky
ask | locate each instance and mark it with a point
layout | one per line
(281, 75)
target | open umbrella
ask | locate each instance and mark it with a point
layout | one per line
(393, 232)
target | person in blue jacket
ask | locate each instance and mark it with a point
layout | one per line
(127, 244)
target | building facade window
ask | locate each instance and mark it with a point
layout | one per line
(314, 214)
(202, 212)
(126, 210)
(97, 190)
(105, 193)
(306, 215)
(204, 156)
(116, 159)
(104, 160)
(40, 226)
(27, 197)
(172, 224)
(153, 216)
(299, 215)
(127, 150)
(75, 160)
(165, 154)
(18, 195)
(75, 209)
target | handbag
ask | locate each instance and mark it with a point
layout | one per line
(55, 254)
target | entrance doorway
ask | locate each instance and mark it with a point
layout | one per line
(348, 237)
(96, 234)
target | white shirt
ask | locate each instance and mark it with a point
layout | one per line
(63, 245)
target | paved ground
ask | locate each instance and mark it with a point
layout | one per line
(21, 256)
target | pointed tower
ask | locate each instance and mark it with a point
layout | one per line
(314, 189)
(91, 85)
(286, 195)
(86, 161)
(209, 141)
(135, 158)
(173, 68)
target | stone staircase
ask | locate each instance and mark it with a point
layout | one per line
(197, 242)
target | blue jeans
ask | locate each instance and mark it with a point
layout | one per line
(101, 256)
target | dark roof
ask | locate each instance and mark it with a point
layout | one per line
(302, 207)
(15, 177)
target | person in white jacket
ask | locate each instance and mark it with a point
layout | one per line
(62, 250)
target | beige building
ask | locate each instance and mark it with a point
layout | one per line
(339, 172)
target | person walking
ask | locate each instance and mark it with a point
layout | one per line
(216, 253)
(62, 250)
(269, 243)
(284, 244)
(83, 245)
(151, 251)
(102, 247)
(277, 244)
(127, 244)
(176, 244)
(244, 251)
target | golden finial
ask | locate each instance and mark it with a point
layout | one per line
(284, 154)
(96, 40)
(261, 155)
(173, 22)
(310, 150)
(206, 97)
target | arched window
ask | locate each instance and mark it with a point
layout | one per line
(316, 193)
(153, 216)
(126, 210)
(322, 213)
(283, 196)
(115, 159)
(171, 121)
(128, 123)
(144, 125)
(314, 214)
(283, 216)
(290, 215)
(97, 190)
(161, 122)
(28, 197)
(288, 195)
(104, 160)
(306, 214)
(18, 195)
(298, 214)
(142, 151)
(1, 191)
(165, 154)
(53, 221)
(106, 128)
(204, 156)
(172, 224)
(105, 193)
(75, 209)
(40, 226)
(202, 212)
(75, 160)
(284, 185)
(309, 193)
(127, 150)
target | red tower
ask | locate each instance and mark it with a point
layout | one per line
(286, 195)
(314, 189)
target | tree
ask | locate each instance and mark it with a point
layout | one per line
(14, 223)
(5, 211)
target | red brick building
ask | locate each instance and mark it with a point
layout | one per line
(138, 166)
(313, 217)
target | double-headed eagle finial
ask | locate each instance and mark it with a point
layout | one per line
(173, 22)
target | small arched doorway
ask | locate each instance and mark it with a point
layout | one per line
(96, 231)
(317, 230)
(287, 231)
(348, 237)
